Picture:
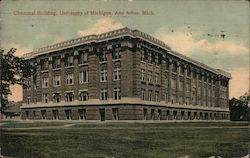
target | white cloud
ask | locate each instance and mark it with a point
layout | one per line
(20, 51)
(183, 41)
(225, 54)
(101, 26)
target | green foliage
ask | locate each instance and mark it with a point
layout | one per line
(14, 70)
(238, 110)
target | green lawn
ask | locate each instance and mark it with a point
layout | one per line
(44, 139)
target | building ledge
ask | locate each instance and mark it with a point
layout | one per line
(123, 101)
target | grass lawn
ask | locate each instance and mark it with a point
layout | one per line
(51, 139)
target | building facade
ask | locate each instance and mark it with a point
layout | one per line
(122, 75)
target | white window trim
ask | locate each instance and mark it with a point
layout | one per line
(105, 73)
(118, 93)
(117, 72)
(103, 90)
(82, 91)
(44, 80)
(55, 81)
(81, 80)
(68, 79)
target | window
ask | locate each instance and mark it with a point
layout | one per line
(83, 57)
(166, 82)
(199, 88)
(116, 55)
(117, 73)
(83, 95)
(152, 113)
(34, 99)
(35, 81)
(204, 90)
(145, 112)
(28, 85)
(188, 72)
(68, 114)
(44, 64)
(194, 83)
(45, 98)
(57, 97)
(174, 67)
(142, 75)
(91, 49)
(150, 77)
(45, 82)
(44, 114)
(143, 56)
(57, 81)
(27, 114)
(194, 74)
(187, 87)
(167, 65)
(28, 99)
(173, 83)
(181, 86)
(150, 93)
(182, 69)
(157, 98)
(115, 114)
(56, 62)
(142, 94)
(55, 114)
(156, 59)
(69, 59)
(103, 76)
(69, 96)
(82, 114)
(199, 76)
(156, 78)
(149, 57)
(173, 99)
(103, 56)
(213, 92)
(70, 79)
(109, 47)
(103, 94)
(116, 94)
(83, 77)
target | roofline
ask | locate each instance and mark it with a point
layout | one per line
(116, 34)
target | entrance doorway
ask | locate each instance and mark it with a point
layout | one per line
(102, 114)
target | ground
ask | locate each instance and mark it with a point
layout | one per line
(124, 139)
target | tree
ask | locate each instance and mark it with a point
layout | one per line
(238, 110)
(14, 70)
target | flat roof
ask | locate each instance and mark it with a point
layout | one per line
(116, 34)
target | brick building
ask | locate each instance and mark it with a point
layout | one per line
(122, 75)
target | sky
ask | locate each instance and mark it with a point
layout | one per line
(214, 32)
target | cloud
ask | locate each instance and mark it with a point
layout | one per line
(229, 55)
(223, 54)
(101, 26)
(184, 41)
(20, 50)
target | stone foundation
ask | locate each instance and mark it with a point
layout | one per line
(121, 112)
